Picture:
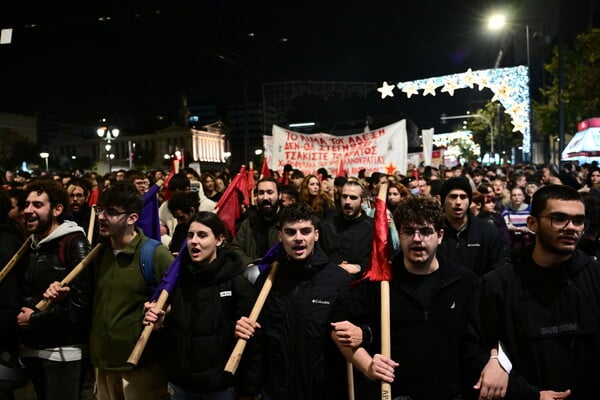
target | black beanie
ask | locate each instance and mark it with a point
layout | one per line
(456, 183)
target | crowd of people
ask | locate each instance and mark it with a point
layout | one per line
(493, 276)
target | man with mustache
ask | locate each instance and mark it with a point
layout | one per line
(53, 341)
(468, 241)
(543, 307)
(347, 237)
(258, 233)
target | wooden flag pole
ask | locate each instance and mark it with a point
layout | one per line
(386, 347)
(44, 303)
(90, 232)
(142, 341)
(15, 259)
(238, 350)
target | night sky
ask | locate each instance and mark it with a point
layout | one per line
(79, 67)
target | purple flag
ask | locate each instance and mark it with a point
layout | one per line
(170, 279)
(148, 221)
(270, 256)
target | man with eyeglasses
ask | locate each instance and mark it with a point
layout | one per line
(429, 298)
(543, 307)
(79, 191)
(121, 291)
(468, 241)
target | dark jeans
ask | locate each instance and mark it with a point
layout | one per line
(55, 380)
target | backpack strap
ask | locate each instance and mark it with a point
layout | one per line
(64, 247)
(147, 262)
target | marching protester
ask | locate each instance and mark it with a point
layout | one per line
(197, 332)
(346, 238)
(429, 297)
(312, 194)
(54, 340)
(10, 242)
(467, 241)
(258, 232)
(121, 289)
(300, 360)
(543, 308)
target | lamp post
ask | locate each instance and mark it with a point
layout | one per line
(108, 134)
(497, 22)
(45, 156)
(443, 118)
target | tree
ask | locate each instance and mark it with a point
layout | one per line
(14, 149)
(504, 137)
(581, 86)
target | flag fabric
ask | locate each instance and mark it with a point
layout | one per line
(272, 255)
(380, 259)
(149, 222)
(170, 279)
(340, 170)
(228, 207)
(264, 170)
(94, 195)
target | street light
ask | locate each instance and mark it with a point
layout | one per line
(497, 22)
(108, 134)
(45, 156)
(443, 118)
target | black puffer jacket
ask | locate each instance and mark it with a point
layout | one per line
(299, 355)
(66, 322)
(198, 336)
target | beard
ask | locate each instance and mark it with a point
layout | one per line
(43, 225)
(267, 210)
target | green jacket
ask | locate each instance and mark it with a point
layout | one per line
(244, 242)
(119, 298)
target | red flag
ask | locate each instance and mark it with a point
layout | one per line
(340, 170)
(174, 170)
(94, 195)
(264, 171)
(228, 207)
(380, 259)
(416, 173)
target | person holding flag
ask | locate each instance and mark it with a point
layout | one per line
(197, 332)
(300, 361)
(120, 293)
(429, 298)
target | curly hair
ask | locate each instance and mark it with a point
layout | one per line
(419, 211)
(55, 191)
(319, 203)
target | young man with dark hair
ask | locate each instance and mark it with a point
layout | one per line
(121, 291)
(183, 206)
(429, 298)
(543, 307)
(300, 361)
(53, 341)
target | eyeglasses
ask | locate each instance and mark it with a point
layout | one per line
(112, 212)
(424, 232)
(560, 221)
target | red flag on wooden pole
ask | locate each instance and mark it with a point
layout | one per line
(264, 171)
(228, 207)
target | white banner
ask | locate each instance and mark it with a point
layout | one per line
(379, 150)
(427, 136)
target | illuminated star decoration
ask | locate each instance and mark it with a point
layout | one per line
(409, 89)
(509, 86)
(390, 168)
(429, 88)
(449, 87)
(386, 90)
